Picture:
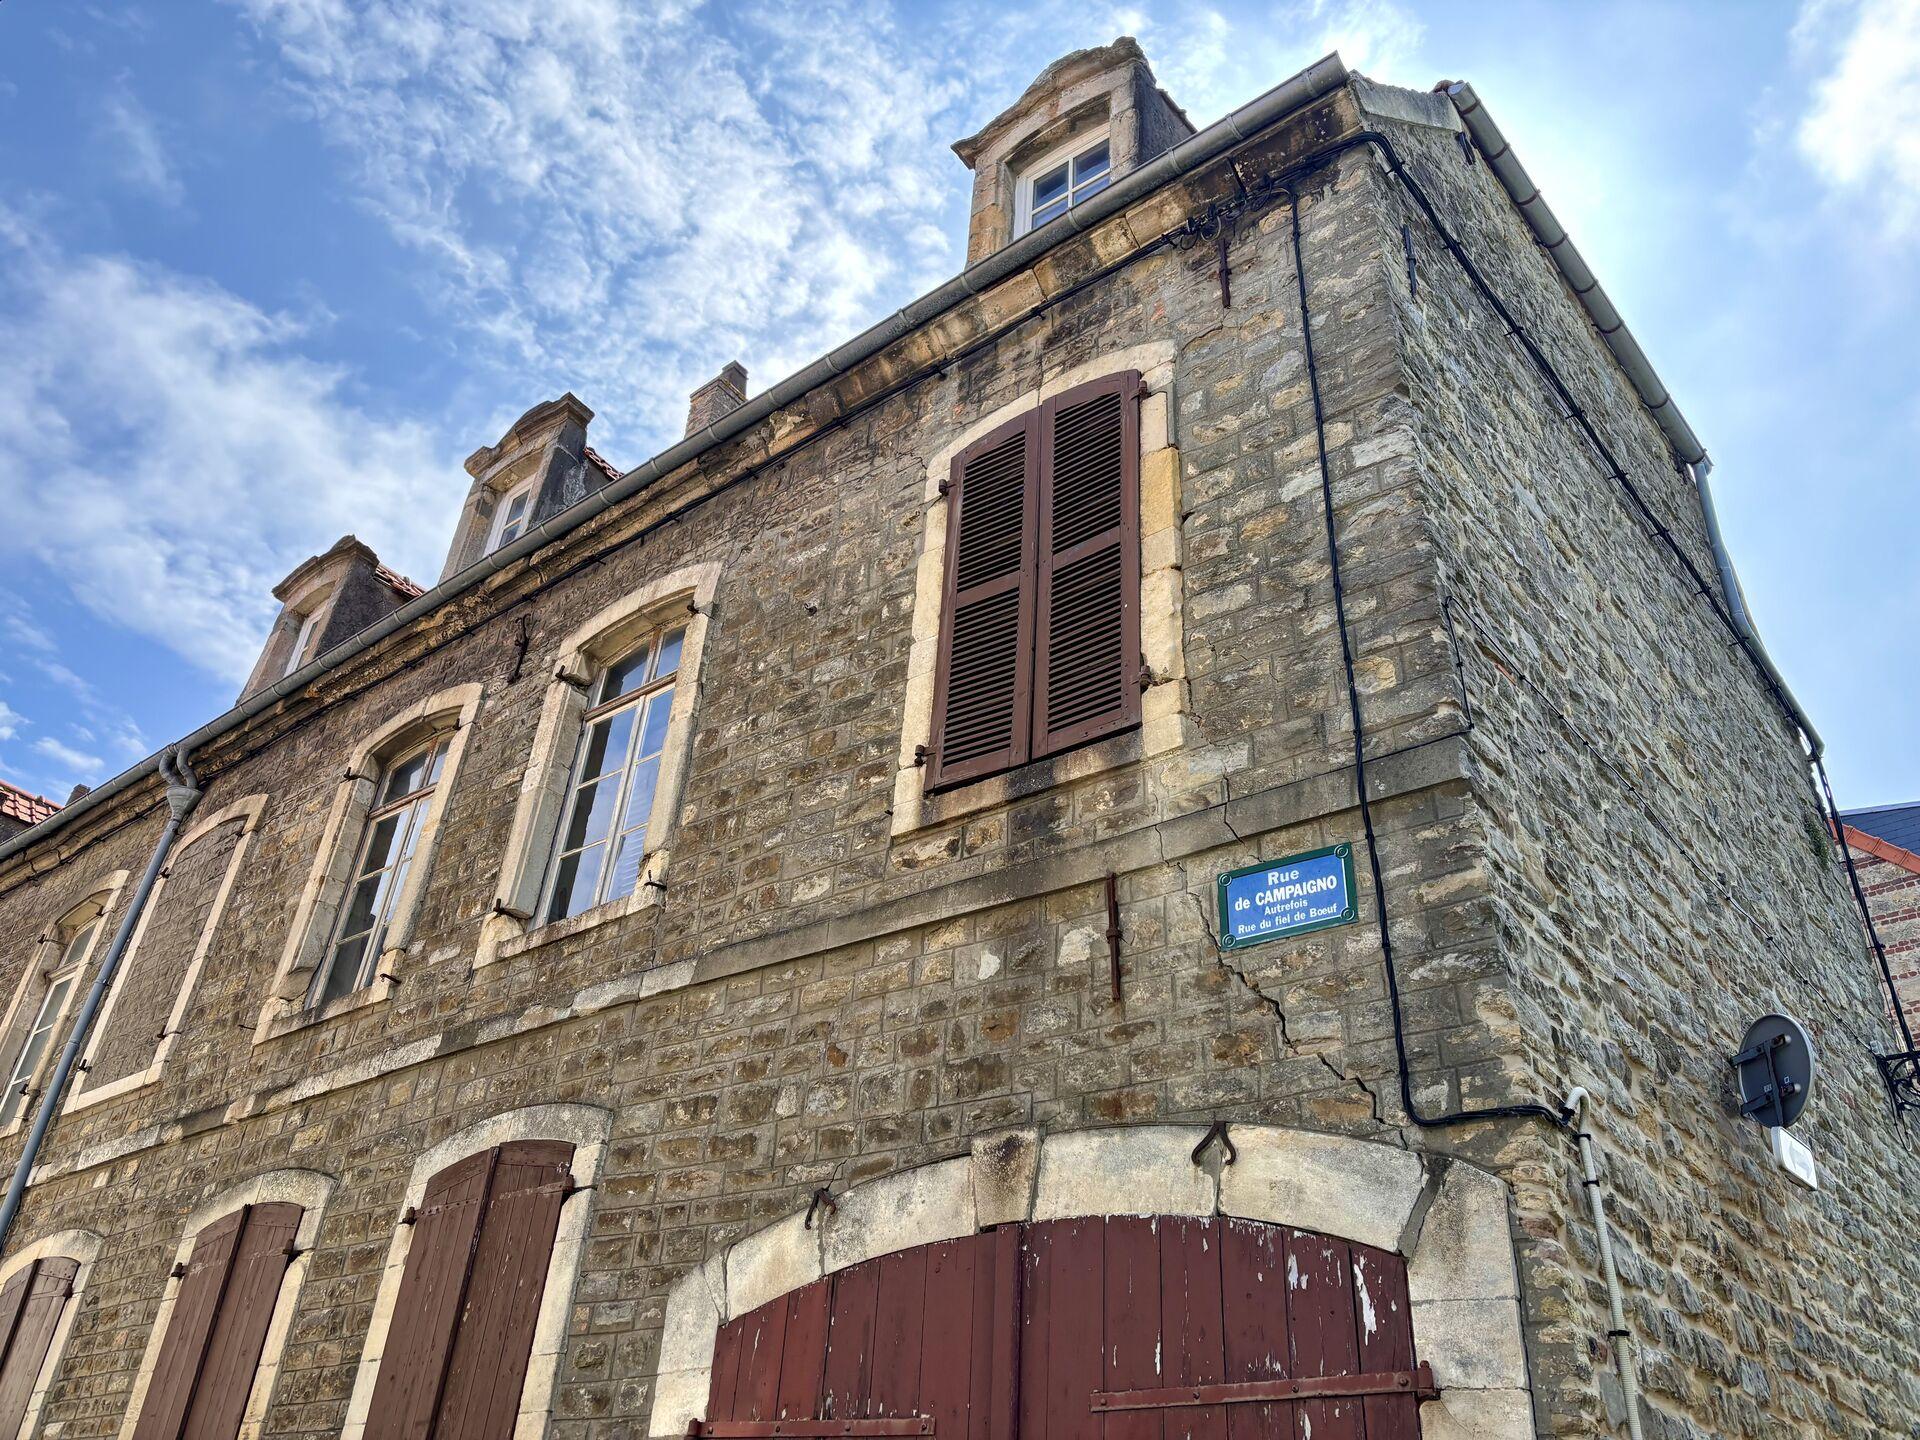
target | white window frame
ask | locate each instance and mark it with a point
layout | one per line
(496, 529)
(329, 882)
(302, 638)
(682, 597)
(50, 959)
(1065, 154)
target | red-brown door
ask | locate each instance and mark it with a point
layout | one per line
(1114, 1328)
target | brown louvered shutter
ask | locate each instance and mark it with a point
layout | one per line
(219, 1325)
(31, 1305)
(531, 1180)
(461, 1335)
(983, 686)
(1087, 665)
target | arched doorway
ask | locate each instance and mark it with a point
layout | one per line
(1095, 1328)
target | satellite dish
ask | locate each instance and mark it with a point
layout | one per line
(1775, 1066)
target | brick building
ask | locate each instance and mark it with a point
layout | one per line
(759, 943)
(1885, 842)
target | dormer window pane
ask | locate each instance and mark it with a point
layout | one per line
(297, 656)
(510, 519)
(1059, 181)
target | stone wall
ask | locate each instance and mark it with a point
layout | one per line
(1662, 879)
(1892, 885)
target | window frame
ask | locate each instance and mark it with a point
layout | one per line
(1068, 153)
(410, 809)
(682, 597)
(64, 976)
(309, 623)
(51, 949)
(288, 1004)
(640, 699)
(502, 518)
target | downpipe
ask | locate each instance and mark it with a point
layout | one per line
(1626, 1363)
(183, 793)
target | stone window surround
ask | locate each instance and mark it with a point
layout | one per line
(248, 808)
(586, 1128)
(1162, 635)
(310, 601)
(100, 899)
(285, 1010)
(514, 926)
(310, 1190)
(80, 1245)
(1448, 1218)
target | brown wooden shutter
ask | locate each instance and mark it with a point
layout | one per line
(983, 685)
(239, 1333)
(426, 1313)
(31, 1304)
(531, 1180)
(461, 1335)
(1087, 666)
(218, 1327)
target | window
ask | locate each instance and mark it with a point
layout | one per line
(1040, 624)
(60, 982)
(217, 1322)
(32, 1304)
(297, 655)
(1064, 178)
(380, 872)
(511, 516)
(603, 832)
(460, 1338)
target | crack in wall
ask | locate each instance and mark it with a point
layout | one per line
(1279, 1013)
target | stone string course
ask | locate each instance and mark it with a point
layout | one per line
(838, 1003)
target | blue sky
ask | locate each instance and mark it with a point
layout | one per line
(270, 269)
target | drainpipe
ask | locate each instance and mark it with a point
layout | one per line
(182, 795)
(1624, 1361)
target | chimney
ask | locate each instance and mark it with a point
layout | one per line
(726, 391)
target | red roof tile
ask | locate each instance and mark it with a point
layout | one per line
(400, 583)
(611, 470)
(24, 805)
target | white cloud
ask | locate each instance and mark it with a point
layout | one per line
(10, 721)
(621, 198)
(1861, 131)
(82, 766)
(168, 454)
(140, 155)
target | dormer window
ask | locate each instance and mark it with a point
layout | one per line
(510, 519)
(1063, 178)
(296, 657)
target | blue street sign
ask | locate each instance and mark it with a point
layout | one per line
(1289, 896)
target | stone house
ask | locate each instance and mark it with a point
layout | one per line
(1086, 861)
(21, 809)
(1885, 843)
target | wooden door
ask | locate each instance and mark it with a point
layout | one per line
(1114, 1328)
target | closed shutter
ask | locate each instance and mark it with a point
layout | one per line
(531, 1180)
(1087, 681)
(461, 1334)
(983, 687)
(31, 1306)
(218, 1327)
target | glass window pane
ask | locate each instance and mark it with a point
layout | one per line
(1049, 187)
(626, 865)
(343, 973)
(653, 734)
(383, 846)
(364, 907)
(592, 814)
(1089, 163)
(1042, 216)
(404, 777)
(1092, 187)
(607, 741)
(436, 757)
(574, 881)
(640, 794)
(669, 653)
(77, 946)
(627, 673)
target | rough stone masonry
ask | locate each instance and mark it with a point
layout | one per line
(1601, 854)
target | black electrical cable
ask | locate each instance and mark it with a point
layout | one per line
(1527, 1110)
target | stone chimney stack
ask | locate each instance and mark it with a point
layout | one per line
(726, 391)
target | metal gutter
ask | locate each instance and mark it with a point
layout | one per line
(1687, 449)
(1317, 80)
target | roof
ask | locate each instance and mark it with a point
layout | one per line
(399, 583)
(1896, 824)
(24, 805)
(607, 467)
